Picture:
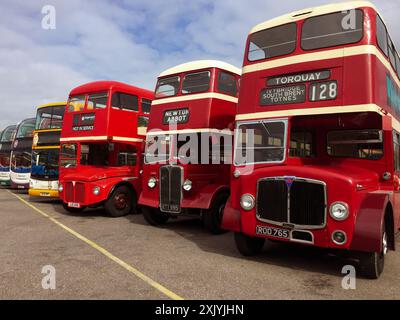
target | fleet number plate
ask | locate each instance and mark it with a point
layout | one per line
(74, 205)
(45, 194)
(272, 232)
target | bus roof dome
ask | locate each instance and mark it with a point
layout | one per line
(201, 64)
(310, 12)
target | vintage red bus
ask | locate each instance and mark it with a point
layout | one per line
(102, 143)
(317, 139)
(6, 139)
(194, 102)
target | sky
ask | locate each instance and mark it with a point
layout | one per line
(125, 40)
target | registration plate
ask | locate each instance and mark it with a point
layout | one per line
(74, 205)
(21, 187)
(273, 232)
(3, 183)
(45, 194)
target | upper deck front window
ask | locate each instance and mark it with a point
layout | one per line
(76, 103)
(227, 83)
(168, 87)
(274, 42)
(334, 29)
(196, 82)
(8, 135)
(26, 129)
(97, 101)
(49, 118)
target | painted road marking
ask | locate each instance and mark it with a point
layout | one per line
(109, 255)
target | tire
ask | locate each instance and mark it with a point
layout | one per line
(248, 246)
(72, 210)
(212, 218)
(154, 216)
(372, 263)
(121, 202)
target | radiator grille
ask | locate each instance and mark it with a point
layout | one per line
(170, 189)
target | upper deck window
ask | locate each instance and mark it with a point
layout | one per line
(363, 144)
(381, 35)
(196, 82)
(334, 29)
(168, 87)
(125, 101)
(392, 53)
(146, 105)
(274, 42)
(8, 134)
(26, 129)
(97, 101)
(49, 118)
(227, 83)
(76, 103)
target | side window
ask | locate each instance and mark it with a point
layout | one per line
(392, 53)
(146, 105)
(302, 144)
(396, 151)
(381, 35)
(227, 83)
(125, 101)
(127, 157)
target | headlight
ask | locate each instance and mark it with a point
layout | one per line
(339, 211)
(60, 188)
(152, 182)
(96, 191)
(30, 184)
(247, 202)
(187, 185)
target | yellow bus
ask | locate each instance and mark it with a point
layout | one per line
(46, 150)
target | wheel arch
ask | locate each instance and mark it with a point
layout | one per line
(389, 224)
(124, 184)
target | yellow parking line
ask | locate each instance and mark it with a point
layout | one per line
(109, 255)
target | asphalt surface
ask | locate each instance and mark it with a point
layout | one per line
(97, 257)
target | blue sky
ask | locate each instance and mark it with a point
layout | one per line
(125, 40)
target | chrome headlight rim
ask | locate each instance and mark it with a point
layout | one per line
(60, 187)
(96, 191)
(152, 182)
(250, 198)
(187, 185)
(337, 242)
(346, 207)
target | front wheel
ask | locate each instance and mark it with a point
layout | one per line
(212, 218)
(72, 210)
(121, 202)
(248, 246)
(154, 216)
(373, 263)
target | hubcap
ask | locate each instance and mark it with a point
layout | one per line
(121, 201)
(384, 244)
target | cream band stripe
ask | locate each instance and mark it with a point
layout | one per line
(191, 97)
(100, 138)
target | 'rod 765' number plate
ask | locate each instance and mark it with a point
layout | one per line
(272, 232)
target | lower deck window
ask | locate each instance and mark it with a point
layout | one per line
(301, 144)
(362, 144)
(94, 154)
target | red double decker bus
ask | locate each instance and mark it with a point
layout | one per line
(102, 145)
(188, 146)
(317, 140)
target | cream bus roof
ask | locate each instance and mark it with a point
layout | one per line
(201, 64)
(311, 12)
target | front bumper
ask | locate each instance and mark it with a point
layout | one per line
(43, 193)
